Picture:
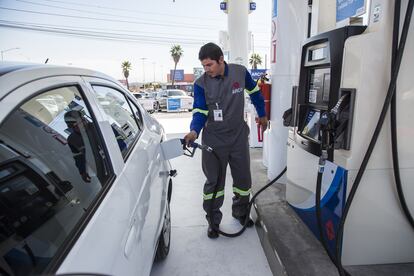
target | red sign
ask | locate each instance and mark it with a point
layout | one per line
(329, 228)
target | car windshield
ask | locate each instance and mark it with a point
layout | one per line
(176, 93)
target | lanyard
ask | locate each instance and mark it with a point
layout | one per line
(217, 100)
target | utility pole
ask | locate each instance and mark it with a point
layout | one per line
(153, 67)
(143, 71)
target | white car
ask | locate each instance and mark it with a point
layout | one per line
(147, 103)
(175, 100)
(84, 187)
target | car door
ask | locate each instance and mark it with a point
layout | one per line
(143, 166)
(63, 207)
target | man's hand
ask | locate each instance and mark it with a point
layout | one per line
(263, 122)
(86, 177)
(190, 137)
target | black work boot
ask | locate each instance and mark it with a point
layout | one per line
(242, 221)
(212, 233)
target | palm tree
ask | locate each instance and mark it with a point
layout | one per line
(176, 53)
(255, 59)
(126, 66)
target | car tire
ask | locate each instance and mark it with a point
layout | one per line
(156, 106)
(165, 237)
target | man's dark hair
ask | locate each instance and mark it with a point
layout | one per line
(72, 117)
(210, 50)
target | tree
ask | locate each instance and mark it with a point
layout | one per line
(126, 66)
(255, 59)
(176, 53)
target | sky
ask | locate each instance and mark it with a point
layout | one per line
(101, 34)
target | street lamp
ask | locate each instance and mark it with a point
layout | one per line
(153, 68)
(143, 71)
(3, 51)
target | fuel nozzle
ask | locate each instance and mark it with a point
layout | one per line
(328, 118)
(328, 121)
(190, 148)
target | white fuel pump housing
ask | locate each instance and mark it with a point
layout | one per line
(376, 231)
(289, 25)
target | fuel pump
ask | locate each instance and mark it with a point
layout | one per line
(338, 111)
(319, 125)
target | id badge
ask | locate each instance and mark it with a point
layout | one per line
(218, 115)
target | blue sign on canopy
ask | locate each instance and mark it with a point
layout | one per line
(349, 8)
(274, 11)
(257, 73)
(252, 6)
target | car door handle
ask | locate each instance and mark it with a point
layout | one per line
(130, 242)
(75, 201)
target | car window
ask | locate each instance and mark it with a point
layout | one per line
(52, 167)
(124, 122)
(137, 113)
(176, 93)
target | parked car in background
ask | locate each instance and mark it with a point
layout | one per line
(84, 188)
(178, 97)
(153, 96)
(147, 103)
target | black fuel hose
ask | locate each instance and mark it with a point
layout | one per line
(390, 94)
(394, 136)
(319, 213)
(220, 172)
(216, 188)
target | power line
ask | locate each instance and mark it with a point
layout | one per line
(106, 36)
(159, 40)
(121, 35)
(97, 13)
(104, 19)
(119, 31)
(128, 10)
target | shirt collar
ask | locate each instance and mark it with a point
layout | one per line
(226, 71)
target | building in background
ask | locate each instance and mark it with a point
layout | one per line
(182, 81)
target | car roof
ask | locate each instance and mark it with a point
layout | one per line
(15, 74)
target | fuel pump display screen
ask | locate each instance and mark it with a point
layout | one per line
(319, 86)
(311, 127)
